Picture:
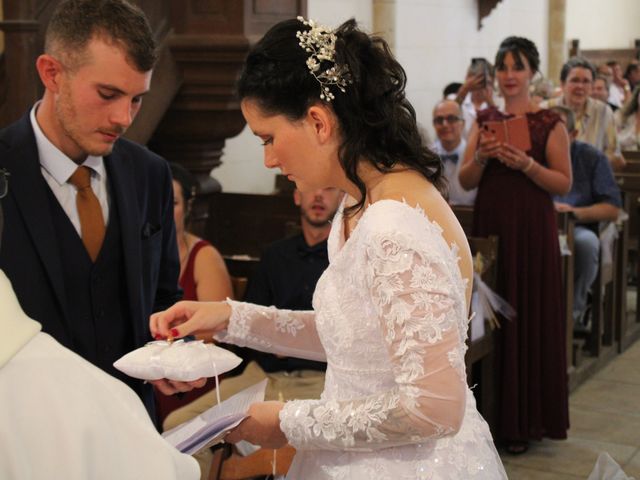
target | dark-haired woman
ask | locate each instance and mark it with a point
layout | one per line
(514, 202)
(203, 273)
(390, 312)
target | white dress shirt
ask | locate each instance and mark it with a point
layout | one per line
(57, 168)
(457, 194)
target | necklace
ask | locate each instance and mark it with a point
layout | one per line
(185, 255)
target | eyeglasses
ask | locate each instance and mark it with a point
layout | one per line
(450, 119)
(4, 182)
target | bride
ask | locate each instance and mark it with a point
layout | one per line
(390, 312)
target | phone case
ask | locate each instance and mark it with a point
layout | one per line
(514, 131)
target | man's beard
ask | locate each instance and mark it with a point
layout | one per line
(67, 116)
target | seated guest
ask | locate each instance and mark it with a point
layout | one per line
(62, 417)
(628, 122)
(594, 119)
(632, 74)
(619, 89)
(594, 197)
(448, 123)
(542, 90)
(286, 278)
(450, 91)
(600, 90)
(203, 274)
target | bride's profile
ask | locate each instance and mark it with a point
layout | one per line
(391, 311)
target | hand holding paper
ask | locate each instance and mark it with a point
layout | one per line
(210, 427)
(261, 427)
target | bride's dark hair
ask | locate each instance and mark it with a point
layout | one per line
(376, 120)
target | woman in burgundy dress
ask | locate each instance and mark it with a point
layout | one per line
(514, 202)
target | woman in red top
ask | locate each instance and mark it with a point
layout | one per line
(203, 274)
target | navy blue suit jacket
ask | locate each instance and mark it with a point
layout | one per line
(141, 187)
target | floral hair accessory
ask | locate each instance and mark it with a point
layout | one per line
(320, 42)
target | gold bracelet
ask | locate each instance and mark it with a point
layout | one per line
(529, 165)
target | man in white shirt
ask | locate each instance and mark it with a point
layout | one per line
(448, 124)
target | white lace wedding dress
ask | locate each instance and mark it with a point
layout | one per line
(390, 319)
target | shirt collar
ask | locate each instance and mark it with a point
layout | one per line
(459, 150)
(588, 108)
(59, 166)
(468, 103)
(318, 250)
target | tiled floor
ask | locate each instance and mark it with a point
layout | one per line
(604, 415)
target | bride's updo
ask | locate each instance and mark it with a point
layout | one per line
(376, 120)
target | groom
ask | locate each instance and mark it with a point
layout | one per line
(91, 251)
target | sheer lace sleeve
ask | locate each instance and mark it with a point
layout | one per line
(268, 329)
(418, 303)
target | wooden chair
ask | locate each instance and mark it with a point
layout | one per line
(239, 285)
(603, 306)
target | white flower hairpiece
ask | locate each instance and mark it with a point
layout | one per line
(320, 42)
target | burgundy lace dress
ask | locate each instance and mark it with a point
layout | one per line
(534, 383)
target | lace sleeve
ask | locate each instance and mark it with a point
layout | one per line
(418, 306)
(268, 329)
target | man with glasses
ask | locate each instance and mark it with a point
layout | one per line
(449, 124)
(594, 119)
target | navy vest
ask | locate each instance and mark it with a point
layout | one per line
(96, 294)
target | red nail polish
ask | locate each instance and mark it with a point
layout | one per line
(158, 336)
(175, 333)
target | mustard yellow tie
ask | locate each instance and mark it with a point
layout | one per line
(89, 211)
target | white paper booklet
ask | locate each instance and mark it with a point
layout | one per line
(209, 427)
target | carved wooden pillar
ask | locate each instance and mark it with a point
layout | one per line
(484, 9)
(209, 43)
(22, 46)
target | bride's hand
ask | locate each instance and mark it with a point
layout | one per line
(261, 427)
(190, 318)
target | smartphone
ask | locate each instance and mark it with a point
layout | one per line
(479, 67)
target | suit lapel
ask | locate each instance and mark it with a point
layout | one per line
(123, 189)
(29, 189)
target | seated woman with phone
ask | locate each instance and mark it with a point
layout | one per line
(518, 158)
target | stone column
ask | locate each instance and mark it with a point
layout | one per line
(557, 41)
(384, 21)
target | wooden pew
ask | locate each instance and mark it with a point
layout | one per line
(566, 225)
(482, 356)
(628, 179)
(243, 224)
